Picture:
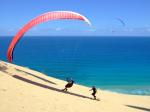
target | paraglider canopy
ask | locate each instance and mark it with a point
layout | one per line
(121, 21)
(55, 15)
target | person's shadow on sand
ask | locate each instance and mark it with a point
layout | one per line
(139, 108)
(36, 76)
(49, 87)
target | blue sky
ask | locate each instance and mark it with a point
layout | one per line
(102, 14)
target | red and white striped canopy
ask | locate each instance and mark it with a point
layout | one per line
(55, 15)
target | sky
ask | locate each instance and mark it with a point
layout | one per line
(103, 15)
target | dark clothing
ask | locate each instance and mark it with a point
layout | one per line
(68, 85)
(94, 92)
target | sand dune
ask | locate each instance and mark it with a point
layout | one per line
(26, 90)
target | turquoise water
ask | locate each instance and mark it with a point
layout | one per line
(120, 64)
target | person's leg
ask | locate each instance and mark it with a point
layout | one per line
(65, 89)
(94, 95)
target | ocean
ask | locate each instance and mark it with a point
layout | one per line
(119, 64)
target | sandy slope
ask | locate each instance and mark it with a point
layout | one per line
(25, 90)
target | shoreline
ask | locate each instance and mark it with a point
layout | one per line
(23, 89)
(120, 89)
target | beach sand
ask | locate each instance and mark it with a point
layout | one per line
(26, 90)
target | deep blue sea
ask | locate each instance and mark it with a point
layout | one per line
(120, 64)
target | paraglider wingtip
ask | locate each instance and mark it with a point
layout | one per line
(87, 21)
(10, 60)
